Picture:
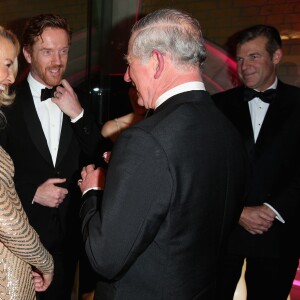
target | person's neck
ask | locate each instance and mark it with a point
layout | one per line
(182, 78)
(178, 79)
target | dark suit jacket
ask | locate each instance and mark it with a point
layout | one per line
(172, 194)
(275, 168)
(24, 140)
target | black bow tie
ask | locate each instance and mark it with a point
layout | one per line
(266, 96)
(47, 93)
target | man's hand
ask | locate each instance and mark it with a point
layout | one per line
(66, 99)
(257, 219)
(48, 194)
(91, 178)
(41, 281)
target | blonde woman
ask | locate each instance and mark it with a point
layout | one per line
(25, 265)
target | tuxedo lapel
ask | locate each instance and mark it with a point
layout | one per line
(34, 125)
(277, 113)
(65, 139)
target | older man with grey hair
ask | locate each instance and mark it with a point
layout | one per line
(175, 180)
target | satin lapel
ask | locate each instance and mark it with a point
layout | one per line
(34, 125)
(65, 139)
(277, 113)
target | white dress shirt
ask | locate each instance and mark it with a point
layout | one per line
(50, 116)
(258, 110)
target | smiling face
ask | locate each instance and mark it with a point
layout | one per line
(8, 55)
(49, 56)
(256, 68)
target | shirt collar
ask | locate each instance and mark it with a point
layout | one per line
(273, 86)
(35, 86)
(185, 87)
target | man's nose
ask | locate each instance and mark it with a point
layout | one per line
(245, 64)
(11, 77)
(127, 76)
(56, 58)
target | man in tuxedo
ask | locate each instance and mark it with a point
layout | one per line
(175, 180)
(266, 113)
(50, 137)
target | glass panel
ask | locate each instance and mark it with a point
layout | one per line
(108, 33)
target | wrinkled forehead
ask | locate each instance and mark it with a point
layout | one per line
(257, 42)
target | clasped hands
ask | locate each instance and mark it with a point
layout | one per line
(257, 219)
(91, 178)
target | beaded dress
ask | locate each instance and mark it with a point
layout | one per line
(20, 247)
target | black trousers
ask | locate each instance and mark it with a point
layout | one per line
(65, 261)
(266, 278)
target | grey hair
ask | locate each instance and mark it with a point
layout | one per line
(169, 31)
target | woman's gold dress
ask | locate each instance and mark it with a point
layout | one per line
(20, 247)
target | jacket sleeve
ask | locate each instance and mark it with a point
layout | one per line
(135, 202)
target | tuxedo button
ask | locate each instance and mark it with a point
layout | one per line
(86, 130)
(55, 219)
(57, 173)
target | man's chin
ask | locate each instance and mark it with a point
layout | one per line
(250, 84)
(53, 78)
(53, 82)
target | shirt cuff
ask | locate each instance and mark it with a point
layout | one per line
(96, 188)
(78, 117)
(278, 216)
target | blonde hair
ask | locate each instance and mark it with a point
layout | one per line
(6, 97)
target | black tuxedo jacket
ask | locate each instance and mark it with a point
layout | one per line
(24, 140)
(173, 192)
(275, 168)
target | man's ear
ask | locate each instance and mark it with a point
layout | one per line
(27, 55)
(158, 64)
(277, 56)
